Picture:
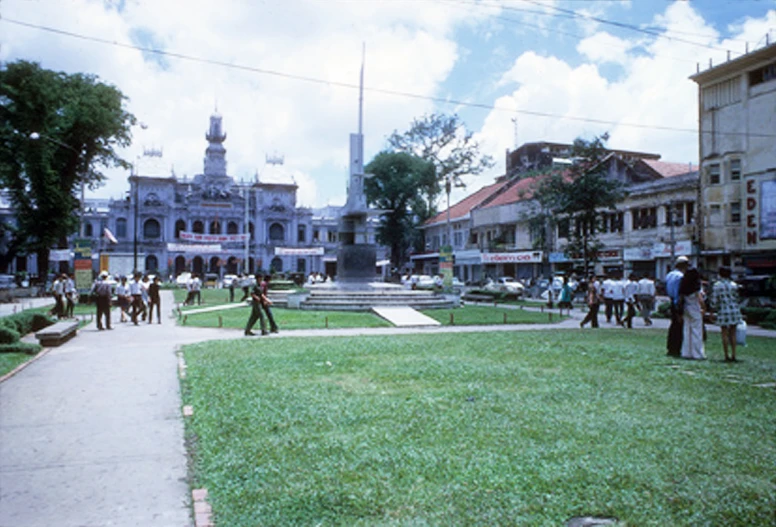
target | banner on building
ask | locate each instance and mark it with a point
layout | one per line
(82, 263)
(299, 251)
(59, 255)
(521, 257)
(637, 254)
(187, 248)
(768, 210)
(558, 258)
(212, 238)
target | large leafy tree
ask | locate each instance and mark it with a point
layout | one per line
(395, 187)
(576, 197)
(57, 132)
(444, 141)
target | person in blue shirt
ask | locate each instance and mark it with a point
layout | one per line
(675, 330)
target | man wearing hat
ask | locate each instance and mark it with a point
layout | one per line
(101, 292)
(675, 330)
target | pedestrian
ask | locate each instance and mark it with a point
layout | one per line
(245, 285)
(144, 293)
(691, 294)
(606, 292)
(593, 299)
(564, 301)
(267, 302)
(256, 314)
(154, 300)
(137, 297)
(231, 288)
(58, 288)
(101, 292)
(196, 286)
(618, 298)
(724, 302)
(675, 330)
(71, 293)
(631, 288)
(646, 298)
(123, 297)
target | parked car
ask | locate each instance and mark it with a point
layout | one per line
(228, 279)
(505, 284)
(183, 279)
(211, 280)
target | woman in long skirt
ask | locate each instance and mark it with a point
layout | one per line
(692, 297)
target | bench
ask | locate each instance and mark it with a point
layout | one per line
(474, 297)
(57, 334)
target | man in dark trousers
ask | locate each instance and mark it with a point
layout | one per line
(101, 292)
(675, 330)
(266, 303)
(256, 301)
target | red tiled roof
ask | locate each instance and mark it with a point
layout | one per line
(667, 169)
(519, 190)
(463, 207)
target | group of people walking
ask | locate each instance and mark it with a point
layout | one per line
(65, 296)
(260, 303)
(622, 299)
(137, 298)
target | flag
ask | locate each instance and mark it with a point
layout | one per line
(109, 235)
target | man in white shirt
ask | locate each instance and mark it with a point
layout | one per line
(618, 298)
(70, 295)
(630, 290)
(646, 296)
(137, 297)
(58, 288)
(195, 286)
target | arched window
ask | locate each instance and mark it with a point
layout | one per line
(301, 234)
(197, 265)
(250, 230)
(180, 225)
(214, 260)
(152, 229)
(277, 265)
(231, 265)
(180, 264)
(232, 228)
(276, 233)
(215, 227)
(198, 227)
(121, 227)
(151, 264)
(88, 229)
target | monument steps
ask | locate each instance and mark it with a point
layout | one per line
(343, 300)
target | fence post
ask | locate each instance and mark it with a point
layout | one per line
(220, 321)
(452, 319)
(327, 322)
(505, 317)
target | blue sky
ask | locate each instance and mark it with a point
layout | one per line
(560, 68)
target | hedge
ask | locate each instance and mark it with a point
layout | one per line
(29, 348)
(8, 335)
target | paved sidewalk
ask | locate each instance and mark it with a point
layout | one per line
(92, 433)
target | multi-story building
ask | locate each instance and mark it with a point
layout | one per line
(737, 133)
(493, 233)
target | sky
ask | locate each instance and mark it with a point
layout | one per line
(284, 74)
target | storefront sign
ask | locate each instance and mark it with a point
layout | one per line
(663, 250)
(212, 238)
(638, 254)
(559, 258)
(521, 257)
(768, 210)
(751, 211)
(299, 251)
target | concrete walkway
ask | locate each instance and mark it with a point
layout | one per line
(91, 434)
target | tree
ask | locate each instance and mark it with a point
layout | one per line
(395, 185)
(56, 133)
(577, 195)
(444, 141)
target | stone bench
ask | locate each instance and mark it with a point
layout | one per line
(57, 334)
(474, 297)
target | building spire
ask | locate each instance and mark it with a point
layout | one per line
(361, 91)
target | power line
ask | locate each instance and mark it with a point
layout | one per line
(352, 86)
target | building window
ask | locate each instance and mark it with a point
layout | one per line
(215, 227)
(645, 218)
(721, 94)
(88, 230)
(121, 227)
(301, 265)
(675, 214)
(231, 228)
(712, 174)
(458, 239)
(735, 170)
(276, 233)
(180, 225)
(715, 215)
(250, 229)
(764, 74)
(332, 236)
(277, 265)
(735, 212)
(198, 227)
(301, 234)
(316, 235)
(151, 263)
(151, 229)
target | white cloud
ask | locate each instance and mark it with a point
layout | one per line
(604, 47)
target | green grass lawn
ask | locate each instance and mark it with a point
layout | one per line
(9, 361)
(485, 315)
(524, 428)
(289, 319)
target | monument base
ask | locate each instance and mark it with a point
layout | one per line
(356, 265)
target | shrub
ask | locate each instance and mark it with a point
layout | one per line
(29, 348)
(8, 335)
(663, 310)
(770, 320)
(755, 315)
(26, 322)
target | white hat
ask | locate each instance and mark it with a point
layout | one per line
(104, 274)
(682, 260)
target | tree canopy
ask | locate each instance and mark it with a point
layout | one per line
(577, 195)
(444, 141)
(57, 132)
(395, 187)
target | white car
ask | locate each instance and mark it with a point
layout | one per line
(183, 279)
(229, 278)
(505, 284)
